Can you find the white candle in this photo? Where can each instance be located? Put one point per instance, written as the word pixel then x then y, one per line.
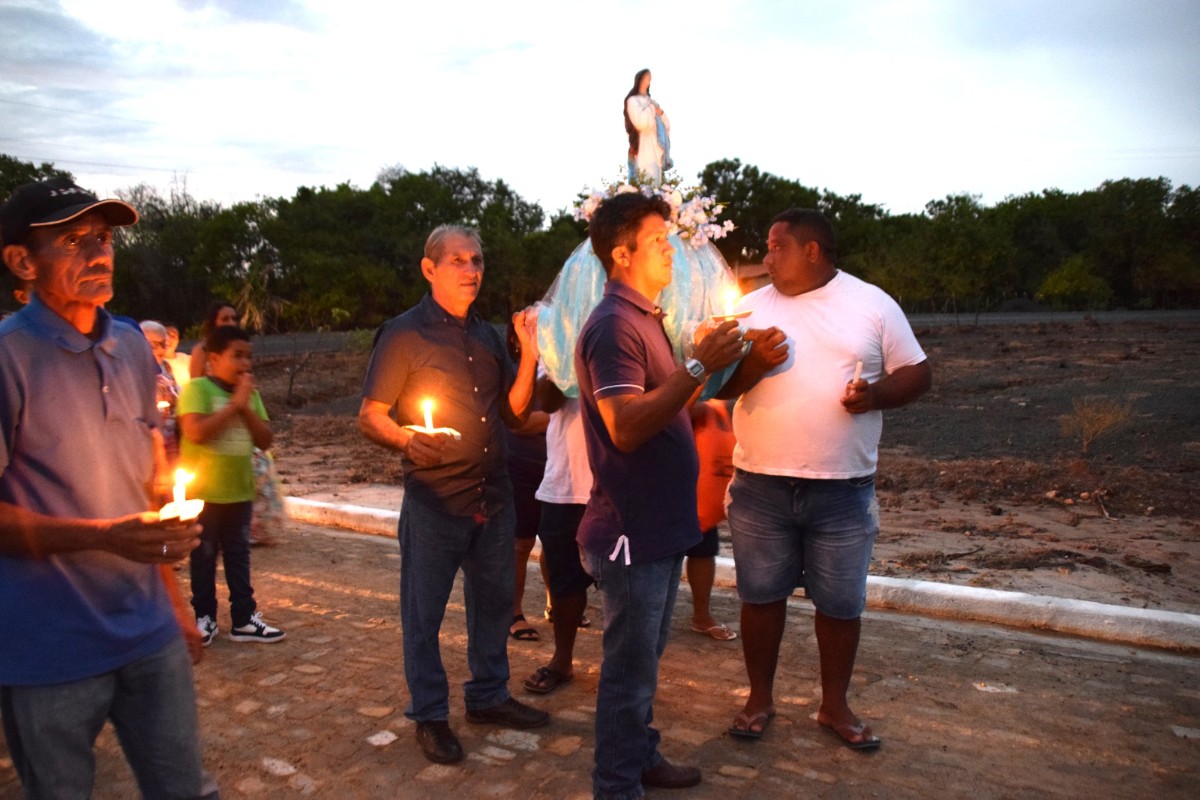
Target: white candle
pixel 427 407
pixel 731 298
pixel 186 510
pixel 857 372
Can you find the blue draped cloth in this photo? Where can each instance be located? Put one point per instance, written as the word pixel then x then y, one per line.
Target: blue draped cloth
pixel 700 279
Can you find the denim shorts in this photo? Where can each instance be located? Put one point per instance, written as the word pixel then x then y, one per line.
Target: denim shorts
pixel 791 533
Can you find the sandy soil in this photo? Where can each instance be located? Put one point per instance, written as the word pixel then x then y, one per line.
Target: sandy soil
pixel 984 482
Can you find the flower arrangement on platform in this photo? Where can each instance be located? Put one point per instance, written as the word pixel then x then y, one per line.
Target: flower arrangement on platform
pixel 693 214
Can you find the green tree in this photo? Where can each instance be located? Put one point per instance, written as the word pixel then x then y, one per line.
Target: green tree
pixel 158 274
pixel 1075 285
pixel 751 198
pixel 15 172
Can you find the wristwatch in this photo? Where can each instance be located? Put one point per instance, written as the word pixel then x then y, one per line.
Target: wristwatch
pixel 695 369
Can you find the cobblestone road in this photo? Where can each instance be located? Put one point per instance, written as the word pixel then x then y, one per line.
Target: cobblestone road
pixel 965 710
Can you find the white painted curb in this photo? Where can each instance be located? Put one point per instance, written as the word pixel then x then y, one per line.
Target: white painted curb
pixel 1170 630
pixel 375 521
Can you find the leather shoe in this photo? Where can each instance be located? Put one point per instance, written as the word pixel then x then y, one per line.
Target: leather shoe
pixel 665 775
pixel 438 742
pixel 511 714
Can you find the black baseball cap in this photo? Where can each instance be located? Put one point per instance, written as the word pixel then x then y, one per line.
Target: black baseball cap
pixel 53 202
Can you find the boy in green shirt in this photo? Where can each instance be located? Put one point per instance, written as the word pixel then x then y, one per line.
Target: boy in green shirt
pixel 221 421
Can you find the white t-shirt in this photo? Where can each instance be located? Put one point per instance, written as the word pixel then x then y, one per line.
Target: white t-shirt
pixel 568 476
pixel 792 422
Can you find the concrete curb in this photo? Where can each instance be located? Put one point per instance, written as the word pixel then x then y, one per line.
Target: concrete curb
pixel 1169 630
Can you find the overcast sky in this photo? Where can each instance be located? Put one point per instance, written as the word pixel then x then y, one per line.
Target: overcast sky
pixel 901 101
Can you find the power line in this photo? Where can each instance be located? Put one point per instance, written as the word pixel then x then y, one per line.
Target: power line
pixel 37 159
pixel 75 111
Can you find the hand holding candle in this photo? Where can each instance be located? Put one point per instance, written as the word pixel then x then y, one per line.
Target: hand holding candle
pixel 180 507
pixel 857 398
pixel 427 411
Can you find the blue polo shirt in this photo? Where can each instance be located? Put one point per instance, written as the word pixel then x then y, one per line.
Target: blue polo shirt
pixel 461 365
pixel 649 495
pixel 75 441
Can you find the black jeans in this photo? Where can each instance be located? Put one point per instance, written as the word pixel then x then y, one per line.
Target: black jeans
pixel 227 530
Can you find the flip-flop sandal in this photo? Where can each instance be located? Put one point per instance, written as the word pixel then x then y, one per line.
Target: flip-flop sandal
pixel 866 742
pixel 526 634
pixel 743 726
pixel 717 631
pixel 545 680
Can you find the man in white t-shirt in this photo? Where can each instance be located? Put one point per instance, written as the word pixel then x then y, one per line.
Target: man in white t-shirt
pixel 829 354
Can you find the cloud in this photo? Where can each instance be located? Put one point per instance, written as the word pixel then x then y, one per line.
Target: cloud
pixel 902 101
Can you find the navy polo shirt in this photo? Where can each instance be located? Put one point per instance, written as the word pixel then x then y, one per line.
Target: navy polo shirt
pixel 76 420
pixel 462 366
pixel 649 495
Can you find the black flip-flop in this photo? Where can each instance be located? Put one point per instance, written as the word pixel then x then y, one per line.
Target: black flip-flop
pixel 545 680
pixel 746 731
pixel 871 742
pixel 526 634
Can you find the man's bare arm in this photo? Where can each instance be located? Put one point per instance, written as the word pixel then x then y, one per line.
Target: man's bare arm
pixel 899 388
pixel 137 537
pixel 376 424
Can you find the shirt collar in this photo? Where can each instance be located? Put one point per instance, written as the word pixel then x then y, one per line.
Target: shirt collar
pixel 435 313
pixel 66 335
pixel 634 298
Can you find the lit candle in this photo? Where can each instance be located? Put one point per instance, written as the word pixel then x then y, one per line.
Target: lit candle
pixel 427 410
pixel 731 298
pixel 730 295
pixel 180 507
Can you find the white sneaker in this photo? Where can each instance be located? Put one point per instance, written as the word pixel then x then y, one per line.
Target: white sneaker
pixel 256 631
pixel 208 629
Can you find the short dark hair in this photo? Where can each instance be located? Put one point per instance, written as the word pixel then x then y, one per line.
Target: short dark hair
pixel 219 339
pixel 810 225
pixel 616 221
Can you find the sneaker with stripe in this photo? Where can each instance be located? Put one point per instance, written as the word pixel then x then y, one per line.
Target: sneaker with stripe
pixel 208 629
pixel 256 631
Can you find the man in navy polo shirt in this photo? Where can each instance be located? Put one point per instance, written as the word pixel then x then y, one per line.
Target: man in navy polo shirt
pixel 87 630
pixel 641 516
pixel 458 502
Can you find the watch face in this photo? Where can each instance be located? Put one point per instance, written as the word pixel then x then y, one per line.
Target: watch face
pixel 695 368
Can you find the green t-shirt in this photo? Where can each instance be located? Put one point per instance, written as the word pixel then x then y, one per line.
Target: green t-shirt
pixel 223 466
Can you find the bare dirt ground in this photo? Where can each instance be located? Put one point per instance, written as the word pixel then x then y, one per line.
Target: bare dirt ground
pixel 984 482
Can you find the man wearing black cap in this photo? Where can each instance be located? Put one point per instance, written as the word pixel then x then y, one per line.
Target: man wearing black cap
pixel 86 621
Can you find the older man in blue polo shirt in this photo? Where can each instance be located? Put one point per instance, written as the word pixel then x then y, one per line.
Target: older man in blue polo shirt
pixel 458 503
pixel 641 516
pixel 87 630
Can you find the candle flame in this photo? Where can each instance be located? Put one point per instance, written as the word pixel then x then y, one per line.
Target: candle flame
pixel 182 478
pixel 427 407
pixel 732 295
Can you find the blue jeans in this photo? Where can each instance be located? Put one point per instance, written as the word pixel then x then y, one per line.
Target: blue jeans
pixel 638 602
pixel 790 532
pixel 227 531
pixel 433 546
pixel 52 730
